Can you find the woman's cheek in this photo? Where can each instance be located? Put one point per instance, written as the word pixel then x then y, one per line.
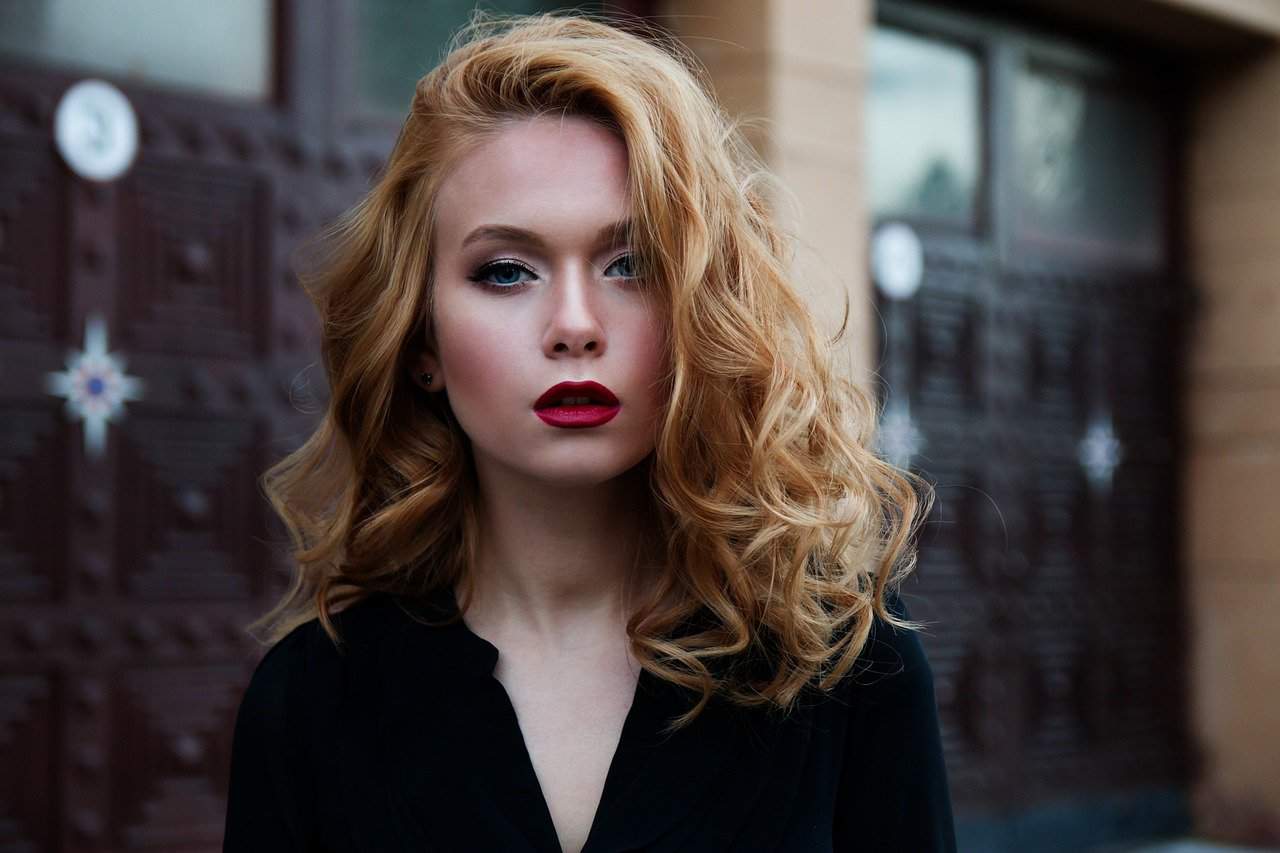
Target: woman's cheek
pixel 475 363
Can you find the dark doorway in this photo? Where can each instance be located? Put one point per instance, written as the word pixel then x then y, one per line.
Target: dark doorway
pixel 1033 311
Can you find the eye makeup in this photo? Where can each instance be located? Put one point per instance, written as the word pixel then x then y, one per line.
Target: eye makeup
pixel 505 266
pixel 480 276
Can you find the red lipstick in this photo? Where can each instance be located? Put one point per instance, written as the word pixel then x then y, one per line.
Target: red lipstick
pixel 575 405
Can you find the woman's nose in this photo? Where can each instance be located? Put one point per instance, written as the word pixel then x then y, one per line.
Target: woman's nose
pixel 575 324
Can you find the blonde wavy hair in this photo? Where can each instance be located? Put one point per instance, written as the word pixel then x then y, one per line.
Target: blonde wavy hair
pixel 787 528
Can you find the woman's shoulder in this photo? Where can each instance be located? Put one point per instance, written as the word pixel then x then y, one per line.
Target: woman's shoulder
pixel 307 656
pixel 285 722
pixel 893 791
pixel 893 661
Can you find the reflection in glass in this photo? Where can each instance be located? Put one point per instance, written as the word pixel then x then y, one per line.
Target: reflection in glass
pixel 222 48
pixel 398 41
pixel 1089 168
pixel 922 127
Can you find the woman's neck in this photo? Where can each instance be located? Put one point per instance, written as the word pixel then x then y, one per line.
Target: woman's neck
pixel 554 565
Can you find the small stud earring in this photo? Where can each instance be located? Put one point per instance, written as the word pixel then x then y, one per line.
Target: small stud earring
pixel 426 379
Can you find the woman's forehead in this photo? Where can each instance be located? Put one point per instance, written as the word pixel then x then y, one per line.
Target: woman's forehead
pixel 542 175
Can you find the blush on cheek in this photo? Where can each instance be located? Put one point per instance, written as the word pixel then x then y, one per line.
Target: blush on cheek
pixel 477 351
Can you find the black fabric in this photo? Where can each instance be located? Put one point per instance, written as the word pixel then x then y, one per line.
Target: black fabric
pixel 404 740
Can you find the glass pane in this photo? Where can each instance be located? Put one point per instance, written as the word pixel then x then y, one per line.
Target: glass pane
pixel 398 41
pixel 924 144
pixel 1089 167
pixel 222 48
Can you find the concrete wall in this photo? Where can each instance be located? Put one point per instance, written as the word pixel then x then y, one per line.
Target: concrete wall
pixel 1255 15
pixel 797 79
pixel 1232 538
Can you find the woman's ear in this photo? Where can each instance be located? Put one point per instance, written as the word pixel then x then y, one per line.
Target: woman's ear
pixel 427 365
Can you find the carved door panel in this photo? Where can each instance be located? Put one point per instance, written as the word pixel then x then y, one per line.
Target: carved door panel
pixel 158 354
pixel 135 540
pixel 1033 314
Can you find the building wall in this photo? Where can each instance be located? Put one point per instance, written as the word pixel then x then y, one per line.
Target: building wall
pixel 1232 535
pixel 1255 15
pixel 796 82
pixel 799 79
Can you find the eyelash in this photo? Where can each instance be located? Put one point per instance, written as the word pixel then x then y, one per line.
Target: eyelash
pixel 479 275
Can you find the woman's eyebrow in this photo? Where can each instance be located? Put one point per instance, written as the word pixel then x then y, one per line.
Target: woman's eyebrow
pixel 611 234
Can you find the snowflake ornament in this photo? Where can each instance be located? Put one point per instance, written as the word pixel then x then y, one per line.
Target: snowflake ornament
pixel 899 440
pixel 1099 453
pixel 94 385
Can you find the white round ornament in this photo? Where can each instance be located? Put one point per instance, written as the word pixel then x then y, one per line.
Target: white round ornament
pixel 96 130
pixel 897 260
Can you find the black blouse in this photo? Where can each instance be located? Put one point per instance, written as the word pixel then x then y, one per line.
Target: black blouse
pixel 406 741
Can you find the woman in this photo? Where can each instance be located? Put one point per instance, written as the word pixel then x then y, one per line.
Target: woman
pixel 592 554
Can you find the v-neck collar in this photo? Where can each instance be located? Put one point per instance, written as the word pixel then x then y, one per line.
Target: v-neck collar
pixel 452 751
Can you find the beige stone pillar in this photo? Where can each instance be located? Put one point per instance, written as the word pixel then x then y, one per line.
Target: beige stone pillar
pixel 1232 530
pixel 796 77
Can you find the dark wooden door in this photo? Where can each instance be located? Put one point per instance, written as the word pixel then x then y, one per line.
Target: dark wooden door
pixel 1031 373
pixel 130 567
pixel 133 555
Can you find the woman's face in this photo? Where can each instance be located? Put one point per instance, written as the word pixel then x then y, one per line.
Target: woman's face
pixel 534 288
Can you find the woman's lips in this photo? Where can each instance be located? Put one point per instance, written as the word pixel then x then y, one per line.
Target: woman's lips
pixel 575 392
pixel 578 417
pixel 574 405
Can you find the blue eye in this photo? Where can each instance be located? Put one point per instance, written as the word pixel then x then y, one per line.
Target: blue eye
pixel 495 275
pixel 629 263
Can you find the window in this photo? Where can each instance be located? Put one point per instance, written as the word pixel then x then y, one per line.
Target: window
pixel 923 125
pixel 222 48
